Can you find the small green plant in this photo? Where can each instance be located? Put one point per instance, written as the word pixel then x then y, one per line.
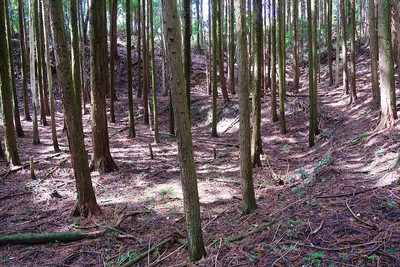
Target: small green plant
pixel 379 152
pixel 295 223
pixel 391 204
pixel 392 251
pixel 285 148
pixel 304 175
pixel 343 256
pixel 372 257
pixel 315 257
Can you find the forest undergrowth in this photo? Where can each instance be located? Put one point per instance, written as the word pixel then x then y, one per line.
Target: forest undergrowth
pixel 336 204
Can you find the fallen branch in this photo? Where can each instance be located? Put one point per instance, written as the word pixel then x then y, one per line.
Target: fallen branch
pixel 123 218
pixel 348 194
pixel 358 219
pixel 48 237
pixel 5 173
pixel 252 232
pixel 144 254
pixel 15 195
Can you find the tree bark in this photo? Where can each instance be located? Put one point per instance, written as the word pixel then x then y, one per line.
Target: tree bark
pixel 274 115
pixel 214 122
pixel 86 200
pixel 353 95
pixel 246 175
pixel 6 90
pixel 24 56
pixel 256 141
pixel 49 75
pixel 131 117
pixel 386 67
pixel 101 160
pixel 185 146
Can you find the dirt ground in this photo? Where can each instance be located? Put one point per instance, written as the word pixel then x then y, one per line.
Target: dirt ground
pixel 336 204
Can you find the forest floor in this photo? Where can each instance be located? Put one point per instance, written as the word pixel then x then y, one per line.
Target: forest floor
pixel 336 204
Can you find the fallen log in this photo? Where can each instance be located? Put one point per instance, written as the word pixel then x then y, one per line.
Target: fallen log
pixel 48 237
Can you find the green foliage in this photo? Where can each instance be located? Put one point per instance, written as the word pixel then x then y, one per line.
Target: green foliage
pixel 379 152
pixel 315 257
pixel 372 257
pixel 391 204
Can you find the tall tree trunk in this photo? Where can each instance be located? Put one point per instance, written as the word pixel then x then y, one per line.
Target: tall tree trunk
pixel 386 66
pixel 131 117
pixel 220 52
pixel 373 35
pixel 185 146
pixel 32 72
pixel 139 46
pixel 274 115
pixel 45 92
pixel 145 65
pixel 282 65
pixel 24 56
pixel 353 95
pixel 296 46
pixel 231 71
pixel 344 45
pixel 113 55
pixel 214 132
pixel 329 41
pixel 101 160
pixel 256 141
pixel 49 74
pixel 6 90
pixel 338 44
pixel 17 119
pixel 246 175
pixel 39 66
pixel 153 77
pixel 86 200
pixel 75 55
pixel 187 58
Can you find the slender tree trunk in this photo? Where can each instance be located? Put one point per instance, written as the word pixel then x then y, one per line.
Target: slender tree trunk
pixel 214 132
pixel 187 34
pixel 39 65
pixel 17 119
pixel 113 56
pixel 153 77
pixel 139 44
pixel 344 46
pixel 220 52
pixel 256 141
pixel 24 56
pixel 338 43
pixel 86 200
pixel 32 72
pixel 274 115
pixel 296 46
pixel 386 67
pixel 246 175
pixel 231 23
pixel 49 74
pixel 145 66
pixel 185 147
pixel 353 95
pixel 131 117
pixel 329 41
pixel 282 65
pixel 6 90
pixel 101 160
pixel 45 92
pixel 75 55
